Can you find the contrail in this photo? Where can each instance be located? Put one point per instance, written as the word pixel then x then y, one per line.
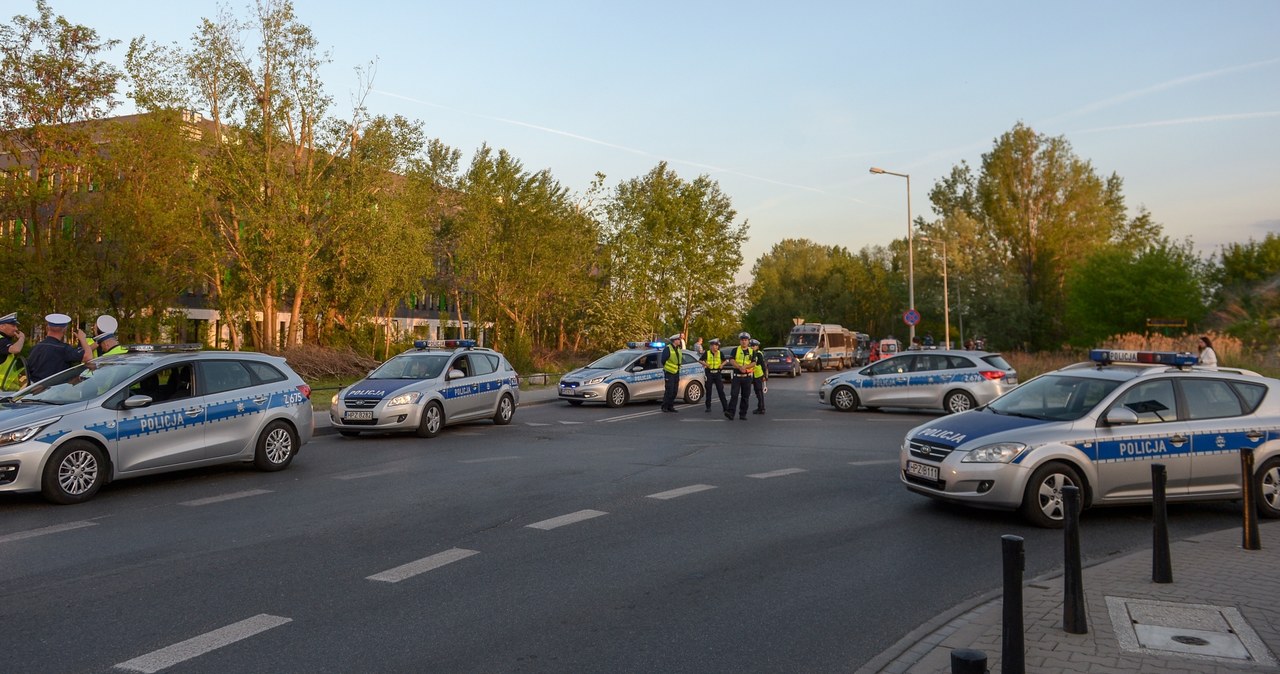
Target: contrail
pixel 1185 120
pixel 596 141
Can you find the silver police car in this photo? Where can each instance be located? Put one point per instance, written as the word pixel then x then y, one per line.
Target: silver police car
pixel 631 374
pixel 151 410
pixel 954 381
pixel 435 384
pixel 1099 426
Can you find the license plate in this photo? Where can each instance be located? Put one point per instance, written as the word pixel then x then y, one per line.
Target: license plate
pixel 1011 379
pixel 567 392
pixel 358 416
pixel 921 470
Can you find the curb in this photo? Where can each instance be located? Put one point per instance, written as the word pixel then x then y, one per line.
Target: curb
pixel 326 429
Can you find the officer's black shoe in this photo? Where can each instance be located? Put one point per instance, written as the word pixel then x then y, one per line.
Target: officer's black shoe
pixel 758 412
pixel 742 418
pixel 708 408
pixel 728 415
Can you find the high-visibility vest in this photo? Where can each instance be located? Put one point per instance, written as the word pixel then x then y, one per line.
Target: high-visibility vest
pixel 742 357
pixel 115 351
pixel 759 373
pixel 672 366
pixel 10 373
pixel 714 360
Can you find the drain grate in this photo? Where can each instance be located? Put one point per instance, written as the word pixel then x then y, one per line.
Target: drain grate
pixel 1196 630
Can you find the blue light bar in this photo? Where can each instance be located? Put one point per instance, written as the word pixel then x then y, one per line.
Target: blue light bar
pixel 1106 356
pixel 646 345
pixel 443 343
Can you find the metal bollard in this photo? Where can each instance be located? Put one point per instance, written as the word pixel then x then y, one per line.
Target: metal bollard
pixel 1161 564
pixel 1012 653
pixel 1250 541
pixel 968 661
pixel 1075 619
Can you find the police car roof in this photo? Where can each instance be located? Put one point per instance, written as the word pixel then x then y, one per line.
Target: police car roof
pixel 1127 371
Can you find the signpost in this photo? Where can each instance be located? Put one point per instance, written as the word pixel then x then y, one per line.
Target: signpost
pixel 911 317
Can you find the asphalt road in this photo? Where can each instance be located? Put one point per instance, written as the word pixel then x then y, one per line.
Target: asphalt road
pixel 686 543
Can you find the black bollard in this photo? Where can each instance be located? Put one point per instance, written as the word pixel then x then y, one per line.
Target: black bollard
pixel 1161 564
pixel 1250 541
pixel 968 661
pixel 1012 655
pixel 1074 617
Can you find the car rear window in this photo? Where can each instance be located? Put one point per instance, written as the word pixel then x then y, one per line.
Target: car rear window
pixel 223 375
pixel 265 372
pixel 1251 393
pixel 1210 399
pixel 959 362
pixel 997 361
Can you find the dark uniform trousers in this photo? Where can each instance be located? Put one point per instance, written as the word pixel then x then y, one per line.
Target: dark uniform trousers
pixel 715 383
pixel 740 397
pixel 757 383
pixel 671 386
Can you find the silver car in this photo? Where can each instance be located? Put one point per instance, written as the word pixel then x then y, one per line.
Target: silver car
pixel 631 374
pixel 433 385
pixel 954 381
pixel 1100 426
pixel 151 410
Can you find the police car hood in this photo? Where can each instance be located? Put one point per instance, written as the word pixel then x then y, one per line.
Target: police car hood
pixel 966 427
pixel 14 415
pixel 377 389
pixel 587 372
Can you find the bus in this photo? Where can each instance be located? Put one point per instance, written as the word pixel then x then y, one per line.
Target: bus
pixel 822 345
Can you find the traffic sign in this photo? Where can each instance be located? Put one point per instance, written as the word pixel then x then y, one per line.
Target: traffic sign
pixel 911 317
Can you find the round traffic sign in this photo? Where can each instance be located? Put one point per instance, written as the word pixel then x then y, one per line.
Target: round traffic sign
pixel 911 317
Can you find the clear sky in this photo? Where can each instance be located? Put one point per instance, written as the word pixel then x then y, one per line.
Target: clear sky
pixel 787 105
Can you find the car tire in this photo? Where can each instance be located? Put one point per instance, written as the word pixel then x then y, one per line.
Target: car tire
pixel 1042 503
pixel 74 473
pixel 1266 487
pixel 616 396
pixel 693 393
pixel 349 434
pixel 506 410
pixel 277 444
pixel 575 403
pixel 958 401
pixel 844 398
pixel 431 422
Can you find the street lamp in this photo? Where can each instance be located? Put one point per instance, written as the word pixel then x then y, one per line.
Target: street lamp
pixel 911 250
pixel 946 296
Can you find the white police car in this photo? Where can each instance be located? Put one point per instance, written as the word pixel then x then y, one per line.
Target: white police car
pixel 1100 426
pixel 630 374
pixel 955 381
pixel 435 384
pixel 151 410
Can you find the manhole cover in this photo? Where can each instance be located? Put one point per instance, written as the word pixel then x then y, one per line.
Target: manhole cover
pixel 1195 630
pixel 1190 640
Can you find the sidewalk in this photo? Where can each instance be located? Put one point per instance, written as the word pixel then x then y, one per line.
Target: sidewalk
pixel 1220 614
pixel 534 396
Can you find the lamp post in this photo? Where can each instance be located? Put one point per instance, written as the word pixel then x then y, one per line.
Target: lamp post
pixel 911 251
pixel 946 296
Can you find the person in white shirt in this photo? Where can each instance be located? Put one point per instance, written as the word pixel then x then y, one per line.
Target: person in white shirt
pixel 1208 357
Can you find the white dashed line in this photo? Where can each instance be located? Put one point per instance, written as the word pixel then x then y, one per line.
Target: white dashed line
pixel 876 462
pixel 777 473
pixel 226 497
pixel 571 518
pixel 570 423
pixel 205 643
pixel 794 420
pixel 57 528
pixel 368 473
pixel 534 423
pixel 492 458
pixel 423 565
pixel 682 491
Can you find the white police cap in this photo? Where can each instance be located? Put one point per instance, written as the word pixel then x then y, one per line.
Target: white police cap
pixel 9 318
pixel 675 337
pixel 58 320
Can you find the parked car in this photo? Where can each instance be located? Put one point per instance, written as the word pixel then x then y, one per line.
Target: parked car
pixel 955 381
pixel 780 360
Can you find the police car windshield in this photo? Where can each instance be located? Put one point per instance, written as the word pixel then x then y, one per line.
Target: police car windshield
pixel 80 383
pixel 412 366
pixel 803 340
pixel 1054 397
pixel 613 361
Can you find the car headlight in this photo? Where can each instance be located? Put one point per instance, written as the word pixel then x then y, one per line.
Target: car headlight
pixel 405 399
pixel 595 380
pixel 334 400
pixel 1000 452
pixel 24 433
pixel 829 380
pixel 809 356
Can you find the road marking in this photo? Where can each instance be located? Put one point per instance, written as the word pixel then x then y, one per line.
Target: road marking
pixel 699 421
pixel 648 413
pixel 532 423
pixel 794 420
pixel 682 491
pixel 492 458
pixel 367 473
pixel 205 643
pixel 571 518
pixel 570 423
pixel 423 565
pixel 875 462
pixel 777 473
pixel 42 531
pixel 225 497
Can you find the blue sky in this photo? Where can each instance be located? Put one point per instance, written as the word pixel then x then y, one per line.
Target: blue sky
pixel 788 105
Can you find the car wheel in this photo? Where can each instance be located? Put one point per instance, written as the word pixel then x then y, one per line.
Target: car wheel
pixel 276 447
pixel 1267 487
pixel 506 410
pixel 693 392
pixel 349 434
pixel 959 401
pixel 617 396
pixel 575 403
pixel 432 421
pixel 74 474
pixel 844 399
pixel 1043 504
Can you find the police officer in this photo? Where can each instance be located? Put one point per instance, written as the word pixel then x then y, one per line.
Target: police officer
pixel 759 375
pixel 672 355
pixel 52 355
pixel 712 360
pixel 11 342
pixel 108 345
pixel 743 371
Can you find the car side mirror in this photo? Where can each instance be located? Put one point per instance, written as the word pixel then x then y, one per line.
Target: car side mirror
pixel 635 368
pixel 134 402
pixel 455 374
pixel 1121 416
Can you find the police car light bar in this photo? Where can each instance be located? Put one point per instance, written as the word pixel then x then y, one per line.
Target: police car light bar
pixel 1108 356
pixel 165 348
pixel 646 345
pixel 443 343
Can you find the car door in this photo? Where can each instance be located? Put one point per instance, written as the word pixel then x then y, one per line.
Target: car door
pixel 1217 417
pixel 1124 453
pixel 886 381
pixel 234 403
pixel 647 383
pixel 168 432
pixel 484 370
pixel 927 381
pixel 460 393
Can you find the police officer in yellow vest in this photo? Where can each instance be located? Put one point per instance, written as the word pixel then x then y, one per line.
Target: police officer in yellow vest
pixel 11 342
pixel 759 375
pixel 108 345
pixel 712 360
pixel 672 355
pixel 743 371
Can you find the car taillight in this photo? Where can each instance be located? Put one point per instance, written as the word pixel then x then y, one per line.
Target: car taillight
pixel 993 374
pixel 305 391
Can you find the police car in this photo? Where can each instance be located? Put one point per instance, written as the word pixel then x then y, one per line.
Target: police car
pixel 954 381
pixel 1100 426
pixel 630 374
pixel 150 410
pixel 435 384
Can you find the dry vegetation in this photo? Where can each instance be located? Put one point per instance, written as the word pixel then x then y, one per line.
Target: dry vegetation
pixel 316 364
